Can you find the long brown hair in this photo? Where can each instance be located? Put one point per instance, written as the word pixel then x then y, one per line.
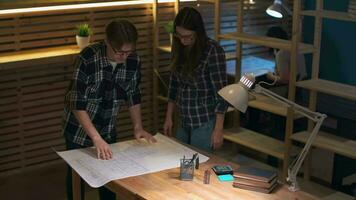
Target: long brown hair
pixel 186 59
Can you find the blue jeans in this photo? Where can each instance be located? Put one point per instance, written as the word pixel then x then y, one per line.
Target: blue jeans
pixel 199 137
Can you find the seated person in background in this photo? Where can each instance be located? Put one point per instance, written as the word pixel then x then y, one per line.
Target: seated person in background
pixel 282 58
pixel 270 124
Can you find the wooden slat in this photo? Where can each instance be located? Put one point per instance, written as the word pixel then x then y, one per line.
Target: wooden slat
pixel 44 151
pixel 9 152
pixel 165 48
pixel 329 87
pixel 267 104
pixel 330 142
pixel 44 130
pixel 41 124
pixel 256 141
pixel 342 16
pixel 266 41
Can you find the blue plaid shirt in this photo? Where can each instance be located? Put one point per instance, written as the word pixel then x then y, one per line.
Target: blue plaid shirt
pixel 197 99
pixel 100 91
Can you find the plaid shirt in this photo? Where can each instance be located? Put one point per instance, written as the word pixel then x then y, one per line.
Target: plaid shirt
pixel 100 91
pixel 198 100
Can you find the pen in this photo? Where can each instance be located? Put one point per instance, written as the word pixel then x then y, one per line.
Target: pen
pixel 197 163
pixel 195 157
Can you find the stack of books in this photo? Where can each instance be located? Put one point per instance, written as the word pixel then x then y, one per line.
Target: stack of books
pixel 352 8
pixel 255 179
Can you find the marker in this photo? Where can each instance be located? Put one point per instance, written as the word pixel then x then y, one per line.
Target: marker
pixel 207 176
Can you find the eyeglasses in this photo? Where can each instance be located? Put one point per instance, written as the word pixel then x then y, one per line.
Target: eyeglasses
pixel 184 37
pixel 120 52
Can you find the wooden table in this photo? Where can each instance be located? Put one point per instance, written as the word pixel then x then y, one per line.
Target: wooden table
pixel 166 185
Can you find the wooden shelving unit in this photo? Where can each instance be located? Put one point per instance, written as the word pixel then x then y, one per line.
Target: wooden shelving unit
pixel 251 139
pixel 270 146
pixel 157 48
pixel 324 140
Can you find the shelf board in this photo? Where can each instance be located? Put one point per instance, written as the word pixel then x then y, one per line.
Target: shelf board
pixel 330 142
pixel 343 16
pixel 166 48
pixel 267 41
pixel 329 87
pixel 256 141
pixel 207 1
pixel 162 98
pixel 230 56
pixel 35 54
pixel 165 99
pixel 265 103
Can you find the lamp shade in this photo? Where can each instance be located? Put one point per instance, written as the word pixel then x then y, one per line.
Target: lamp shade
pixel 236 95
pixel 275 10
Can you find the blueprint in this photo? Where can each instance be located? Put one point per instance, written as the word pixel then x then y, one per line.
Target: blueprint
pixel 130 158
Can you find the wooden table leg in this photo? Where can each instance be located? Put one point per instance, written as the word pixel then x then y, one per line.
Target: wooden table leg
pixel 76 186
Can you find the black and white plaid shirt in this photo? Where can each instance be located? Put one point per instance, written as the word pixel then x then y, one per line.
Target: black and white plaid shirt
pixel 198 100
pixel 100 91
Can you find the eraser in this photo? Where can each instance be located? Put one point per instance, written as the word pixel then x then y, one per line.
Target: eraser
pixel 226 178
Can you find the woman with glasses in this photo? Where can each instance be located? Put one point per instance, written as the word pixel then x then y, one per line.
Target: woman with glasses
pixel 198 73
pixel 106 76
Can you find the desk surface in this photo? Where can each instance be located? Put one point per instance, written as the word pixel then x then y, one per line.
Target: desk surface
pixel 166 185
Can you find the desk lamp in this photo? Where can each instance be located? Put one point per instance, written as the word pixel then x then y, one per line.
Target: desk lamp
pixel 237 96
pixel 277 9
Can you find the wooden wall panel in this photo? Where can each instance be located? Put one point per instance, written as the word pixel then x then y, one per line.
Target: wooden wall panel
pixel 32 93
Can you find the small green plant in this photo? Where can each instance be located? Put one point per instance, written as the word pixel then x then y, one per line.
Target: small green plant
pixel 169 27
pixel 83 30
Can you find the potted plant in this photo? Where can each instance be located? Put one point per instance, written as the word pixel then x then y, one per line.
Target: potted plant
pixel 169 27
pixel 83 35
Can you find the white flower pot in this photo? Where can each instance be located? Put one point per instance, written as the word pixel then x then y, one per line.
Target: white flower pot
pixel 82 42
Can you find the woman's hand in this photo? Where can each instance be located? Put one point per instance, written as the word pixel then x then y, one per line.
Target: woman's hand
pixel 217 139
pixel 167 127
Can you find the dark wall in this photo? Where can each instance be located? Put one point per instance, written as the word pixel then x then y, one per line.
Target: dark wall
pixel 337 63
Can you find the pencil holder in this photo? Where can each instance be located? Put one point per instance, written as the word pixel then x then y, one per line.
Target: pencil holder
pixel 186 169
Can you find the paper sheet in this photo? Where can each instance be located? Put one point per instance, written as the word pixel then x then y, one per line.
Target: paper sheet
pixel 131 158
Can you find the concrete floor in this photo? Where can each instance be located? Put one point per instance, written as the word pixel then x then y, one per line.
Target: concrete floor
pixel 49 182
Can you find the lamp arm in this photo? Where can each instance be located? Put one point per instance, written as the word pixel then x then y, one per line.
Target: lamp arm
pixel 297 108
pixel 297 163
pixel 316 117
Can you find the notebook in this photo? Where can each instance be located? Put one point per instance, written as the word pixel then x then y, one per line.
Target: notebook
pixel 256 189
pixel 255 183
pixel 256 174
